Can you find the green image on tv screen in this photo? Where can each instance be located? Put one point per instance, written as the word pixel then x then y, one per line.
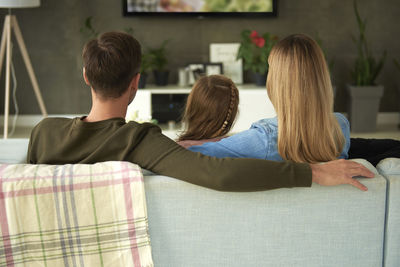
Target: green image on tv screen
pixel 199 6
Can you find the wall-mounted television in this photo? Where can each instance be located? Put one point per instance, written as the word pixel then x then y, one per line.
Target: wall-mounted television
pixel 201 8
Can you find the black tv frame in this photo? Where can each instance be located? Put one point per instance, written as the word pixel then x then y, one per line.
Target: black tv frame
pixel 274 13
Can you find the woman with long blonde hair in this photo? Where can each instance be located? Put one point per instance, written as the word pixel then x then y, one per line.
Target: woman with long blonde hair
pixel 300 90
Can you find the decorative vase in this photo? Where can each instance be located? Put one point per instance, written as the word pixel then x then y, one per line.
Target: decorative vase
pixel 142 80
pixel 363 107
pixel 161 77
pixel 259 79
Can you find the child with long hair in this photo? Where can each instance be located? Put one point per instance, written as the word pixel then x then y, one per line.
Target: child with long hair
pixel 210 110
pixel 305 129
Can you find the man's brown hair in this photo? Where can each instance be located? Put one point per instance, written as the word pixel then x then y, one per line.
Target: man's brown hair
pixel 211 108
pixel 111 61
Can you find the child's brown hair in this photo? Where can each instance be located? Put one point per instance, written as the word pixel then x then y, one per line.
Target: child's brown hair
pixel 211 108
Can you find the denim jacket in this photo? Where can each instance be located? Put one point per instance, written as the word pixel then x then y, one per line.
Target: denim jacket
pixel 260 141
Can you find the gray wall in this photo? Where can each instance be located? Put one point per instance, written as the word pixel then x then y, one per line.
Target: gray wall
pixel 53 38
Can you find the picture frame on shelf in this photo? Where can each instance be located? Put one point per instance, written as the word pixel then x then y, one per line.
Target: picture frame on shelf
pixel 213 68
pixel 195 72
pixel 227 54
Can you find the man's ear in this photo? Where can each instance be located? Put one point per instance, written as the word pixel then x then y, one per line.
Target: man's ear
pixel 135 81
pixel 133 87
pixel 85 77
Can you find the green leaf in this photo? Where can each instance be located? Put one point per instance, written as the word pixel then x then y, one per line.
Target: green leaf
pixel 88 22
pixel 396 63
pixel 246 35
pixel 88 28
pixel 129 30
pixel 366 68
pixel 378 67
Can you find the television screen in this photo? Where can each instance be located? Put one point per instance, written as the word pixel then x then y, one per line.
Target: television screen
pixel 200 7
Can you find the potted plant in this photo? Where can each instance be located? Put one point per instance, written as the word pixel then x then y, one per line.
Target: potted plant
pixel 158 63
pixel 145 68
pixel 254 50
pixel 364 94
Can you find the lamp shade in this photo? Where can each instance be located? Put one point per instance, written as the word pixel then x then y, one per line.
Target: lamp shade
pixel 19 3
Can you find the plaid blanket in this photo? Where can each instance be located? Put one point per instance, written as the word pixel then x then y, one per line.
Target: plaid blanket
pixel 73 215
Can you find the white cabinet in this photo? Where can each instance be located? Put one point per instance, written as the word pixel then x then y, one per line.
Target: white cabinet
pixel 254 104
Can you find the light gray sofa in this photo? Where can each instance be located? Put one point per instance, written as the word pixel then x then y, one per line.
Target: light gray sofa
pixel 318 226
pixel 390 169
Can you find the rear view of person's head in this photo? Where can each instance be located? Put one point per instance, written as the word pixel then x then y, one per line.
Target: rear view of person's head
pixel 211 108
pixel 299 87
pixel 110 62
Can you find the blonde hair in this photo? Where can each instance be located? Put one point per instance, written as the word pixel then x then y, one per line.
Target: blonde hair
pixel 299 87
pixel 211 108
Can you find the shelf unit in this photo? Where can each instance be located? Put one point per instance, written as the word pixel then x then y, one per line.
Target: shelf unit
pixel 254 105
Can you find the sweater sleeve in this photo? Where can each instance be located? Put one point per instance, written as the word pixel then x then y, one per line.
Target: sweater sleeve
pixel 345 126
pixel 161 155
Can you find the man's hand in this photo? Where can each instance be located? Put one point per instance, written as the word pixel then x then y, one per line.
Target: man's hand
pixel 340 172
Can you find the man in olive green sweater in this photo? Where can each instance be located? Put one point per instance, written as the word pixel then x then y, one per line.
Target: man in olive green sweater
pixel 111 69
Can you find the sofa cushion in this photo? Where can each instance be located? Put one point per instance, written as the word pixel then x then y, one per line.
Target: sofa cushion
pixel 90 215
pixel 389 166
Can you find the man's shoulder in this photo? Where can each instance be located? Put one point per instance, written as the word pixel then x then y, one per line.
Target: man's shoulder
pixel 56 120
pixel 53 122
pixel 143 126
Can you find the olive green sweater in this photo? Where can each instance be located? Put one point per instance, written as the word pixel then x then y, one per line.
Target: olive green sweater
pixel 62 141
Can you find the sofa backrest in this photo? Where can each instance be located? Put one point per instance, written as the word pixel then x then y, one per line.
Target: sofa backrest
pixel 318 226
pixel 390 169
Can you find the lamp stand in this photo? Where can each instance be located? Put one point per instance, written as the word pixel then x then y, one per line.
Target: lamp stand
pixel 10 22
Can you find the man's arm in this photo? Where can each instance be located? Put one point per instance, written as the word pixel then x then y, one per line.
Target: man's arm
pixel 159 154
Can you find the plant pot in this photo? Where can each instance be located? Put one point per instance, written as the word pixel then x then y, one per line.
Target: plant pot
pixel 161 77
pixel 142 80
pixel 259 79
pixel 363 107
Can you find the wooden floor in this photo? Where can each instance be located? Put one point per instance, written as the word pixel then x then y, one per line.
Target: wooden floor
pixel 384 131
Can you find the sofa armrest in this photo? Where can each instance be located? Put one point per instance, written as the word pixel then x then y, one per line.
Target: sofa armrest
pixel 13 150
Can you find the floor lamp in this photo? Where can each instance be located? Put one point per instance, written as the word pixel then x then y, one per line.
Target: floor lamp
pixel 10 23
